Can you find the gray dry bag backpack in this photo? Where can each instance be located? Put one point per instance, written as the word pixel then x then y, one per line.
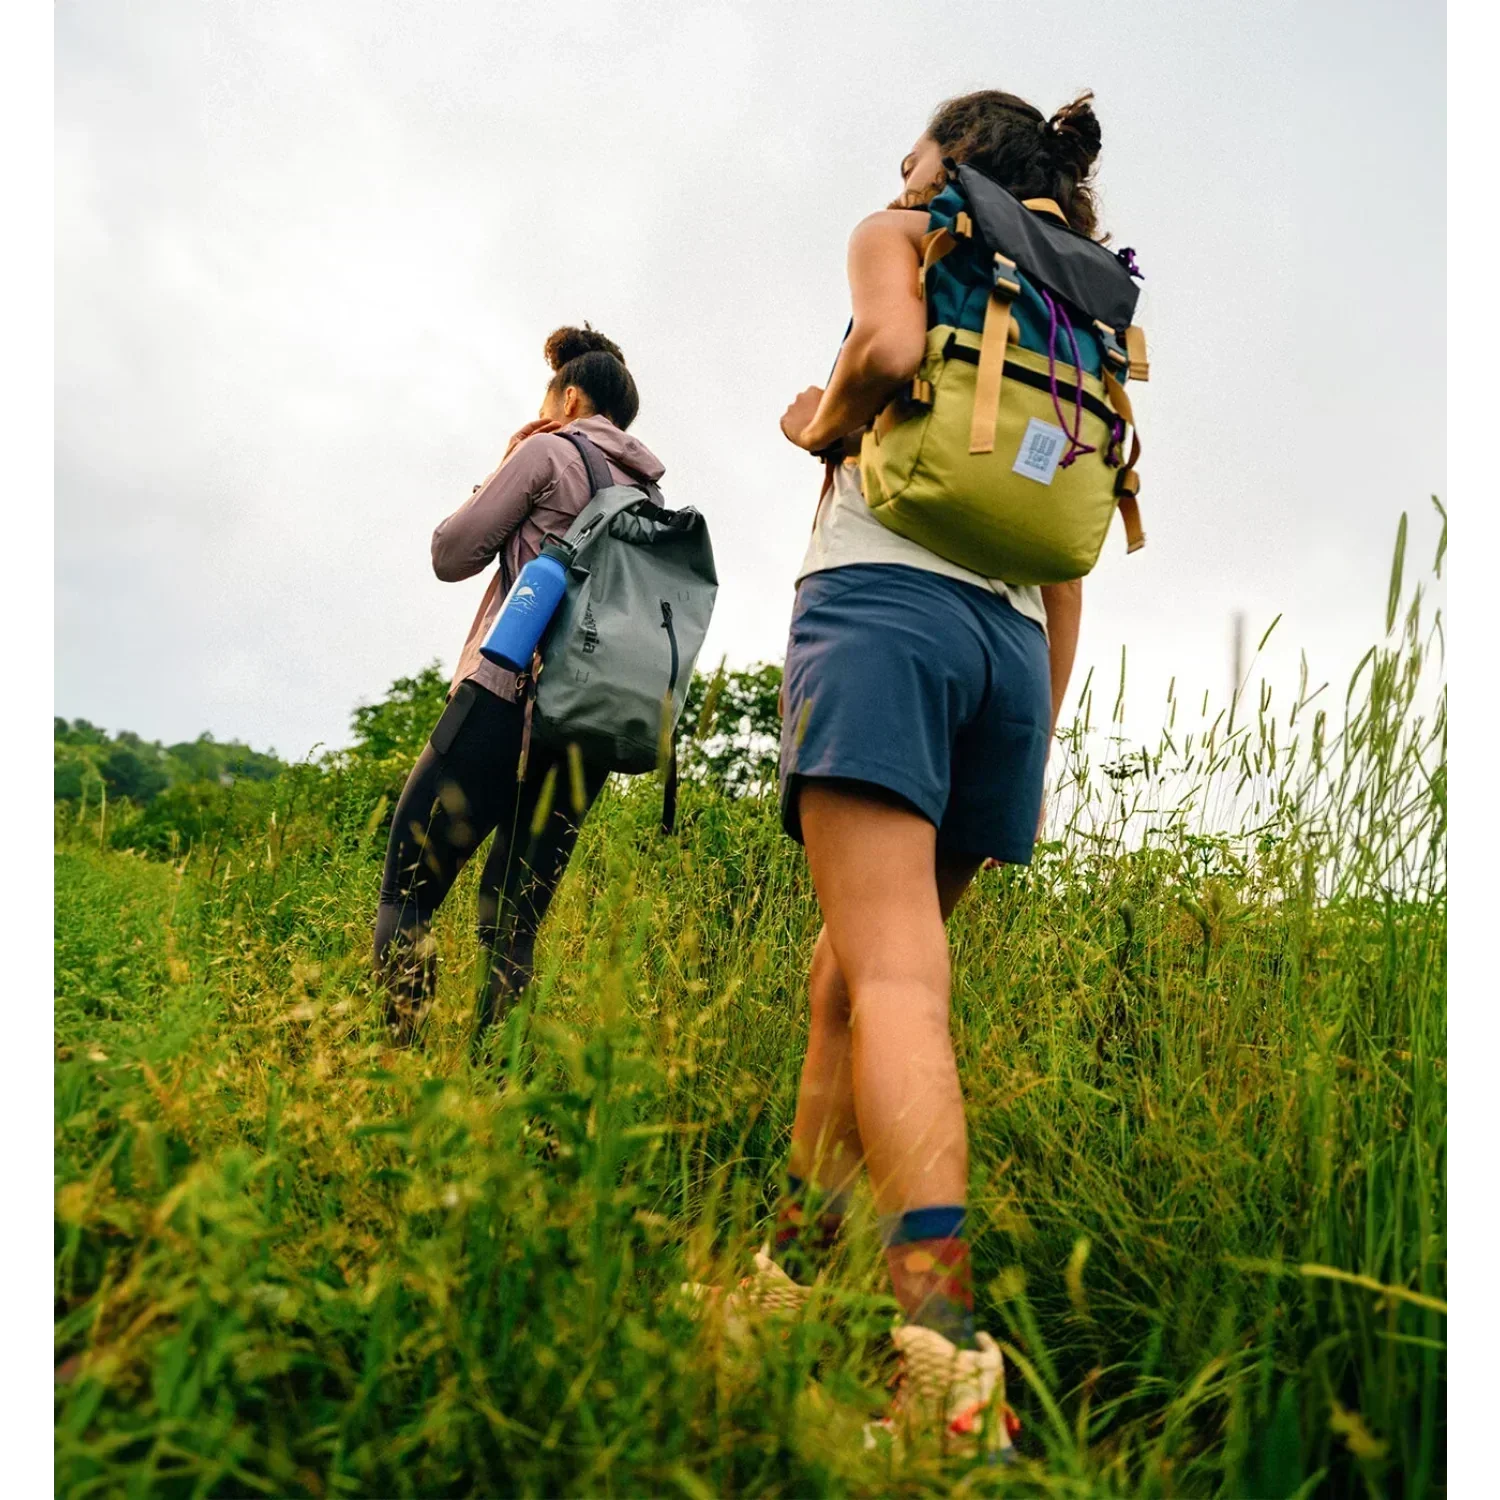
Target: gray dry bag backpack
pixel 612 673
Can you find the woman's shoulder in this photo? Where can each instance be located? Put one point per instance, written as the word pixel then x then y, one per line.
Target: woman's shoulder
pixel 534 464
pixel 551 445
pixel 545 453
pixel 888 223
pixel 911 222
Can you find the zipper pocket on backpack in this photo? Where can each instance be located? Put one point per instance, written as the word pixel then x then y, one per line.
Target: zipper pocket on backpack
pixel 1034 378
pixel 666 624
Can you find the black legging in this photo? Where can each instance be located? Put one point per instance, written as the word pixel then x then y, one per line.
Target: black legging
pixel 452 800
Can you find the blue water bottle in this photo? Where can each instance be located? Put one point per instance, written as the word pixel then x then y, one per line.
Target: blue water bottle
pixel 529 607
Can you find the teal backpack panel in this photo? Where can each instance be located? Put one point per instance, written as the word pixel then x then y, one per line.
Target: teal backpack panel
pixel 958 290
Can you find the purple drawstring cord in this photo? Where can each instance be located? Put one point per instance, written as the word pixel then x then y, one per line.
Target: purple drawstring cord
pixel 1076 446
pixel 1079 447
pixel 1126 257
pixel 1052 357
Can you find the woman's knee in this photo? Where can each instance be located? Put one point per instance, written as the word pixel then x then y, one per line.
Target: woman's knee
pixel 830 994
pixel 905 965
pixel 913 1007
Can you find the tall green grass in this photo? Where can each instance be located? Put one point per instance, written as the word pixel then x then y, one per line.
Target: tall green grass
pixel 1203 1045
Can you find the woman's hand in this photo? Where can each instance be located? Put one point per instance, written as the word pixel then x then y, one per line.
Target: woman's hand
pixel 541 424
pixel 797 418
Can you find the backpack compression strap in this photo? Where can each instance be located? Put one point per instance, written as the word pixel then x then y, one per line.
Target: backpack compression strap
pixel 1127 481
pixel 999 329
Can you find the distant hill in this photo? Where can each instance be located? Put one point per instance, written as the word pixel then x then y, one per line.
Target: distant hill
pixel 86 758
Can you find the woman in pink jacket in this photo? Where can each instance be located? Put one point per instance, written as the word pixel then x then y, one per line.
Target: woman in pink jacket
pixel 464 785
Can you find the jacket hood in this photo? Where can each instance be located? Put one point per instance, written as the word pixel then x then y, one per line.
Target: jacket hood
pixel 620 447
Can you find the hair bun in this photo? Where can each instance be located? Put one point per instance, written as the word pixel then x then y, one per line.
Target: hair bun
pixel 1075 136
pixel 564 344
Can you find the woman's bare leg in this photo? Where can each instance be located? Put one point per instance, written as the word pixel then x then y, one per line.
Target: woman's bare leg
pixel 826 1147
pixel 874 865
pixel 884 900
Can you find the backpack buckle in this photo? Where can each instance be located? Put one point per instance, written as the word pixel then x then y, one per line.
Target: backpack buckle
pixel 1109 341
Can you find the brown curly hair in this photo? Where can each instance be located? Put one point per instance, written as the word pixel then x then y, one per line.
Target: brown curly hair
pixel 1026 152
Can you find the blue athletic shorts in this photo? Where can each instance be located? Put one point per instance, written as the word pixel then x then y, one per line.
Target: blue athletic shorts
pixel 932 689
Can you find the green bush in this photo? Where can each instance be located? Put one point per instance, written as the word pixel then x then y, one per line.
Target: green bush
pixel 199 813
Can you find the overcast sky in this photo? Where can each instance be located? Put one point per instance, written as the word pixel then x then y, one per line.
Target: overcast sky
pixel 307 255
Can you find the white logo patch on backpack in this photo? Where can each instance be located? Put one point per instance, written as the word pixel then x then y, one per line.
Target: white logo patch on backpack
pixel 1041 447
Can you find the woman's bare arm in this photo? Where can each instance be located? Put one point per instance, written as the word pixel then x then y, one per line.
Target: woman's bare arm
pixel 889 337
pixel 1064 605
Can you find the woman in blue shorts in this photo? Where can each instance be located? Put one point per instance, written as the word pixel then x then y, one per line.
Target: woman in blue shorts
pixel 919 706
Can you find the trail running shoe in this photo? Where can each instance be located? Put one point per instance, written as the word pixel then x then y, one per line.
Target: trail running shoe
pixel 959 1393
pixel 767 1290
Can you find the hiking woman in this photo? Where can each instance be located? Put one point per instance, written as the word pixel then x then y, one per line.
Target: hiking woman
pixel 920 702
pixel 465 782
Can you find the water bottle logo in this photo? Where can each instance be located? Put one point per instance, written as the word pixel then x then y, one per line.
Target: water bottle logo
pixel 525 592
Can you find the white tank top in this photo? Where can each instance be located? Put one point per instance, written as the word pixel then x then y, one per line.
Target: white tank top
pixel 845 533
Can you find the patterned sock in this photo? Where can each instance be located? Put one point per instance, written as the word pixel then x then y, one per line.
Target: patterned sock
pixel 928 1259
pixel 807 1225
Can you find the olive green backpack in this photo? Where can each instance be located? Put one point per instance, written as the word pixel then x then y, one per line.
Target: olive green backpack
pixel 1007 453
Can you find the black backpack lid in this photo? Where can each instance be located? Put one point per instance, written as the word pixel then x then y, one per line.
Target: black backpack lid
pixel 1068 264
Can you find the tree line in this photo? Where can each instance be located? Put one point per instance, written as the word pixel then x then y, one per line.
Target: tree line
pixel 167 796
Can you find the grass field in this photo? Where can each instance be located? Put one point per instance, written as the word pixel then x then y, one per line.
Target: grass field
pixel 1203 1044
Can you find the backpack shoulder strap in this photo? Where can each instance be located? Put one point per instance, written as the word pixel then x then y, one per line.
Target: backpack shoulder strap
pixel 593 460
pixel 669 792
pixel 602 507
pixel 936 243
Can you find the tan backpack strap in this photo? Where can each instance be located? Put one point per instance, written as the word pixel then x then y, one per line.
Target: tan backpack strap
pixel 1135 347
pixel 999 328
pixel 936 243
pixel 899 407
pixel 1044 206
pixel 1117 397
pixel 1127 481
pixel 1130 514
